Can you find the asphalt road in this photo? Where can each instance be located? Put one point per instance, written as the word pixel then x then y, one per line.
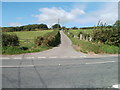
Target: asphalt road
pixel 60 73
pixel 60 67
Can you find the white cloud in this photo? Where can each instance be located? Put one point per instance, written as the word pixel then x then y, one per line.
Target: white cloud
pixel 51 15
pixel 14 24
pixel 107 14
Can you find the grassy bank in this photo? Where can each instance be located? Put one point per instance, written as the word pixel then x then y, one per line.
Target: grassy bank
pixel 18 50
pixel 27 42
pixel 90 47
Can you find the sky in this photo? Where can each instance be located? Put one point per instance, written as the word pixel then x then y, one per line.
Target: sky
pixel 70 14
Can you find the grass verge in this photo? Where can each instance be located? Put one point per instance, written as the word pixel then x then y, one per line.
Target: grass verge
pixel 19 50
pixel 90 47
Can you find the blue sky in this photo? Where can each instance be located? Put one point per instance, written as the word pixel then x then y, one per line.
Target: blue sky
pixel 79 14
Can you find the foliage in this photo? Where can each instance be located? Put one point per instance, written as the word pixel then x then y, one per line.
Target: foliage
pixel 26 42
pixel 87 28
pixel 32 27
pixel 117 23
pixel 105 38
pixel 106 35
pixel 74 28
pixel 63 28
pixel 56 26
pixel 10 40
pixel 50 39
pixel 89 47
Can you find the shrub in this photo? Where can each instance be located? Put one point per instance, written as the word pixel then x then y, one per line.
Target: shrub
pixel 24 48
pixel 39 41
pixel 54 40
pixel 87 47
pixel 107 35
pixel 71 34
pixel 50 39
pixel 10 40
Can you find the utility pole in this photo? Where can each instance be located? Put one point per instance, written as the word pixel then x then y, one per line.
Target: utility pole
pixel 58 20
pixel 58 23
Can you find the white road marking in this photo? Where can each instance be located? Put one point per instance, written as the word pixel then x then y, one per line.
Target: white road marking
pixel 30 57
pixel 41 57
pixel 17 58
pixel 52 57
pixel 100 62
pixel 5 58
pixel 116 86
pixel 82 56
pixel 16 66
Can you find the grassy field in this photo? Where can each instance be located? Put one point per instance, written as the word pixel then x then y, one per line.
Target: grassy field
pixel 90 47
pixel 26 39
pixel 29 34
pixel 76 32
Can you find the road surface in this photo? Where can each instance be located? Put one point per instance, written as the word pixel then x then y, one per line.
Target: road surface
pixel 60 67
pixel 60 73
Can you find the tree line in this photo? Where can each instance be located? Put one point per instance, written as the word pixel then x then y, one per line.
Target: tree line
pixel 32 27
pixel 36 27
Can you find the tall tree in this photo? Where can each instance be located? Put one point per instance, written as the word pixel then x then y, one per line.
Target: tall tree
pixel 56 26
pixel 74 27
pixel 43 26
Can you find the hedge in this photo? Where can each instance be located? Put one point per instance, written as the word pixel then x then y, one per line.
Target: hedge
pixel 10 40
pixel 50 39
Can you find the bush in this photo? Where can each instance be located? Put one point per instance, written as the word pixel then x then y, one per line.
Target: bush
pixel 71 34
pixel 24 48
pixel 10 40
pixel 54 40
pixel 50 39
pixel 107 35
pixel 39 41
